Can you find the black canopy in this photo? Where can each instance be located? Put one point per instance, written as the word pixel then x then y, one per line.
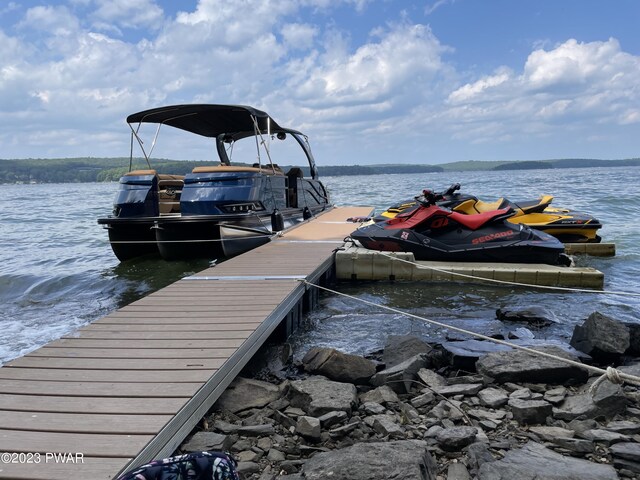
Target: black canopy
pixel 210 120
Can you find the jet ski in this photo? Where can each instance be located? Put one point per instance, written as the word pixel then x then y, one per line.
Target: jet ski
pixel 566 225
pixel 433 232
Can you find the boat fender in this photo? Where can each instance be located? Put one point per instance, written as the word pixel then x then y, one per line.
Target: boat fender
pixel 306 213
pixel 277 221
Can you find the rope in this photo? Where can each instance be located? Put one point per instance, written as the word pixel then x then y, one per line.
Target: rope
pixel 617 377
pixel 505 282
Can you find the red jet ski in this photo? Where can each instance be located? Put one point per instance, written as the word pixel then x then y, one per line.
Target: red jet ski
pixel 433 232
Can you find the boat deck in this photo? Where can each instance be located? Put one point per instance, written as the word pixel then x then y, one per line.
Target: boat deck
pixel 130 387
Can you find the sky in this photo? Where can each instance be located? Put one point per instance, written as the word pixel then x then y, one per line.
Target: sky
pixel 369 81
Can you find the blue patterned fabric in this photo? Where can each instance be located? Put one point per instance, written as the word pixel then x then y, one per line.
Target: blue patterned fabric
pixel 192 466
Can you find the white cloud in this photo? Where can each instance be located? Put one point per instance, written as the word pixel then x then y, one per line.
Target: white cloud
pixel 128 14
pixel 298 36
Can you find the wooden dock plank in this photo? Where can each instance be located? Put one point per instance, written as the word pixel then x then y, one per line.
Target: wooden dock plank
pixel 92 405
pixel 97 389
pixel 78 422
pixel 94 468
pixel 93 445
pixel 117 364
pixel 185 353
pixel 237 332
pixel 114 376
pixel 105 341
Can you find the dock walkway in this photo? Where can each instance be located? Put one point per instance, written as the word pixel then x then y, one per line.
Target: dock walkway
pixel 130 387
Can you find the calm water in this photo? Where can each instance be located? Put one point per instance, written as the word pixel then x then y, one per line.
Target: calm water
pixel 57 271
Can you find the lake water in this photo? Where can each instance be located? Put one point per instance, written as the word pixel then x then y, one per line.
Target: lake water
pixel 57 271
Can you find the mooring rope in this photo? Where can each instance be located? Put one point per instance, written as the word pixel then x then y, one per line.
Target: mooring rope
pixel 611 374
pixel 506 282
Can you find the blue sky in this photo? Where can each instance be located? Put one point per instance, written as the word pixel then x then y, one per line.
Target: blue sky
pixel 370 81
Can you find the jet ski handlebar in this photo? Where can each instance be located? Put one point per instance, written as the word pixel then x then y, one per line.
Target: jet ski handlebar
pixel 428 198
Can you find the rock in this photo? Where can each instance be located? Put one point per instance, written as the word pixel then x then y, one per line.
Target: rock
pixel 601 337
pixel 548 434
pixel 555 395
pixel 317 395
pixel 203 441
pixel 530 411
pixel 575 445
pixel 283 419
pixel 626 450
pixel 465 379
pixel 604 436
pixel 478 454
pixel 309 428
pixel 609 398
pixel 634 339
pixel 458 389
pixel 246 393
pixel 493 397
pixel 401 459
pixel 422 400
pixel 274 455
pixel 382 395
pixel 457 471
pixel 446 409
pixel 400 377
pixel 248 456
pixel 521 366
pixel 576 406
pixel 385 425
pixel 456 438
pixel 534 316
pixel 373 408
pixel 338 366
pixel 624 426
pixel 330 419
pixel 247 468
pixel 627 465
pixel 256 430
pixel 535 462
pixel 400 348
pixel 431 378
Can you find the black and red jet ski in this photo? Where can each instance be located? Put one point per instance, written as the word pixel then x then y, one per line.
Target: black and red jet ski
pixel 433 232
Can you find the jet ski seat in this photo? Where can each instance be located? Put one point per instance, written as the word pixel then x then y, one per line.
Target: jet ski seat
pixel 474 222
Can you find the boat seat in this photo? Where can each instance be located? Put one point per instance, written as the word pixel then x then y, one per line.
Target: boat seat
pixel 231 168
pixel 476 221
pixel 140 172
pixel 169 191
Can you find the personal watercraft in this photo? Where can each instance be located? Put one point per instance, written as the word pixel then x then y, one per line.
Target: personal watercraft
pixel 433 232
pixel 566 225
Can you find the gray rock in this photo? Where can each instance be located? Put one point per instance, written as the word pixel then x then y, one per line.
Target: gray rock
pixel 246 393
pixel 382 395
pixel 609 398
pixel 431 378
pixel 373 408
pixel 317 396
pixel 575 445
pixel 274 455
pixel 624 426
pixel 456 438
pixel 422 400
pixel 203 441
pixel 535 462
pixel 457 471
pixel 548 434
pixel 576 406
pixel 284 420
pixel 626 450
pixel 338 366
pixel 400 377
pixel 385 425
pixel 534 316
pixel 493 397
pixel 309 428
pixel 458 389
pixel 555 395
pixel 521 366
pixel 400 348
pixel 478 454
pixel 247 468
pixel 601 336
pixel 604 436
pixel 256 430
pixel 401 459
pixel 530 411
pixel 634 339
pixel 330 419
pixel 248 456
pixel 627 465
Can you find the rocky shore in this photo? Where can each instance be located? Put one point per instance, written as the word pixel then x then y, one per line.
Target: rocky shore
pixel 410 412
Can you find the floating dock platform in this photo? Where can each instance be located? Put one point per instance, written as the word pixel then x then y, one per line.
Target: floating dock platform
pixel 593 249
pixel 129 387
pixel 357 263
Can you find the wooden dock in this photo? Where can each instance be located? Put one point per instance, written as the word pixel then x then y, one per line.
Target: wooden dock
pixel 131 386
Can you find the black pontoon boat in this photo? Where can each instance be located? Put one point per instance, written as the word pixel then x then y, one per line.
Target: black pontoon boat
pixel 218 210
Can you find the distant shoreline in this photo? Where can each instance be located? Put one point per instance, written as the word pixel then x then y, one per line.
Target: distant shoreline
pixel 76 170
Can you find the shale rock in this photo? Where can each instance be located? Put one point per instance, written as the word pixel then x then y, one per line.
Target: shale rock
pixel 535 462
pixel 246 393
pixel 317 395
pixel 338 366
pixel 456 438
pixel 400 348
pixel 627 450
pixel 400 377
pixel 203 441
pixel 405 459
pixel 521 366
pixel 382 395
pixel 534 316
pixel 493 397
pixel 601 337
pixel 530 411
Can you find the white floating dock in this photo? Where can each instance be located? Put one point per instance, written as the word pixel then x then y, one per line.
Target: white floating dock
pixel 357 263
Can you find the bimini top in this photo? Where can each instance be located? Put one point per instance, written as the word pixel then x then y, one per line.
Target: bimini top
pixel 211 120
